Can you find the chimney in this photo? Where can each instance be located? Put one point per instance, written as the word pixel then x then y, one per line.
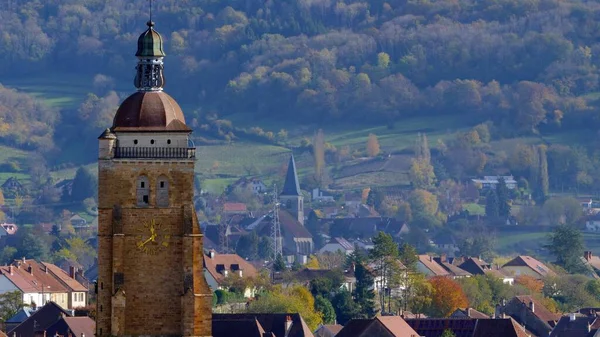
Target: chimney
pixel 443 258
pixel 240 273
pixel 288 325
pixel 24 259
pixel 71 272
pixel 211 254
pixel 45 268
pixel 430 258
pixel 30 269
pixel 532 306
pixel 572 317
pixel 587 255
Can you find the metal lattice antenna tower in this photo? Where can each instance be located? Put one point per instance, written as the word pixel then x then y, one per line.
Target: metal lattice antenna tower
pixel 276 227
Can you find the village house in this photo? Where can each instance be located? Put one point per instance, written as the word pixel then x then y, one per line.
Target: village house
pixel 429 267
pixel 8 229
pixel 321 196
pixel 527 265
pixel 381 326
pixel 530 313
pixel 255 185
pixel 218 267
pixel 592 223
pixel 467 327
pixel 477 266
pixel 592 261
pixel 78 222
pixel 328 330
pixel 468 313
pixel 38 285
pixel 453 270
pixel 77 291
pixel 260 325
pixel 338 245
pixel 12 184
pixel 490 182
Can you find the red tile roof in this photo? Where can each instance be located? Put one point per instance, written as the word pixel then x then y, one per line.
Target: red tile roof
pixel 539 309
pixel 31 276
pixel 430 264
pixel 227 260
pixel 397 326
pixel 64 277
pixel 528 261
pixel 234 207
pixel 81 326
pixel 9 228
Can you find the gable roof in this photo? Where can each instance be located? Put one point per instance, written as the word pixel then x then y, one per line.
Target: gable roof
pixel 72 326
pixel 433 266
pixel 291 186
pixel 434 327
pixel 468 312
pixel 450 268
pixel 328 330
pixel 342 242
pixel 249 327
pixel 506 327
pixel 30 276
pixel 397 326
pixel 528 261
pixel 474 265
pixel 580 327
pixel 234 207
pixel 291 226
pixel 64 277
pixel 39 320
pixel 227 261
pixel 540 311
pixel 271 323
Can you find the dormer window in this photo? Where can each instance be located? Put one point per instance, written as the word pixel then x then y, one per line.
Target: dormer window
pixel 143 191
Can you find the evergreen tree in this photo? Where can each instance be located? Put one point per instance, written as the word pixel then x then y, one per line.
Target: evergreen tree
pixel 385 258
pixel 345 307
pixel 503 198
pixel 408 256
pixel 542 188
pixel 492 207
pixel 363 293
pixel 85 185
pixel 279 264
pixel 566 244
pixel 325 307
pixel 448 333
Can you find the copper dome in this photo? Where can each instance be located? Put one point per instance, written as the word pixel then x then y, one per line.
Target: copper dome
pixel 150 111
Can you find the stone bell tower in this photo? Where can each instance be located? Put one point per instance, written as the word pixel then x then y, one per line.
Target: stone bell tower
pixel 150 268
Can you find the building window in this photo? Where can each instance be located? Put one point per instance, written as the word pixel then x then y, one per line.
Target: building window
pixel 143 191
pixel 152 141
pixel 135 141
pixel 162 193
pixel 169 141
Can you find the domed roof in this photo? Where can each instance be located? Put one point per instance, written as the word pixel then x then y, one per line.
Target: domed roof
pixel 150 43
pixel 150 111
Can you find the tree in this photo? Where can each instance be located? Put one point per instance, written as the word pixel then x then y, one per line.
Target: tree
pixel 264 247
pixel 447 297
pixel 531 283
pixel 566 244
pixel 375 198
pixel 345 307
pixel 279 264
pixel 385 258
pixel 7 255
pixel 295 299
pixel 325 307
pixel 448 333
pixel 34 247
pixel 363 293
pixel 85 185
pixel 10 303
pixel 421 173
pixel 319 155
pixel 492 205
pixel 502 193
pixel 247 246
pixel 541 191
pixel 313 263
pixel 373 148
pixel 423 204
pixel 408 256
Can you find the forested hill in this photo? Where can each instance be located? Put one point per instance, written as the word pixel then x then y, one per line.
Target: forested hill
pixel 523 64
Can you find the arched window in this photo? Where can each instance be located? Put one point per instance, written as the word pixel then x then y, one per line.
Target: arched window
pixel 143 191
pixel 162 192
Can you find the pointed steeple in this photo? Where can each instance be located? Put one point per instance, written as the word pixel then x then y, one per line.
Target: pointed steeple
pixel 291 186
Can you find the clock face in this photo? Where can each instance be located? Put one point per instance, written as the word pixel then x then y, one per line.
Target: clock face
pixel 154 239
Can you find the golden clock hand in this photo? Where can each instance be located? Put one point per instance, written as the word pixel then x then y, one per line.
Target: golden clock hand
pixel 142 244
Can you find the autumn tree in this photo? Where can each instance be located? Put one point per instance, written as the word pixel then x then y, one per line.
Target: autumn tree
pixel 421 171
pixel 373 148
pixel 447 297
pixel 295 299
pixel 319 155
pixel 530 282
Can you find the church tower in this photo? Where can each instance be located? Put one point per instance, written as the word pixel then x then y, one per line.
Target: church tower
pixel 150 268
pixel 291 197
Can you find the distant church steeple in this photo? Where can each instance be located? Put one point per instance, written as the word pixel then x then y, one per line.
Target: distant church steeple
pixel 291 196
